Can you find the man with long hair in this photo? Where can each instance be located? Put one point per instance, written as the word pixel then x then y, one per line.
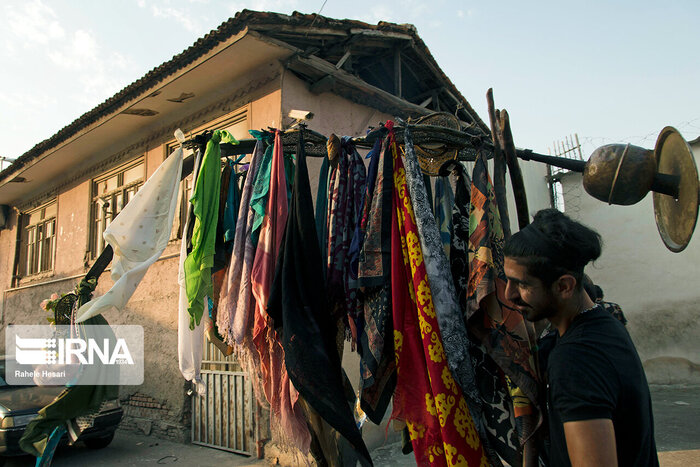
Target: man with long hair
pixel 599 405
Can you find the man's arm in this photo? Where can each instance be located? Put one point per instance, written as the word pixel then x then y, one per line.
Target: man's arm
pixel 591 442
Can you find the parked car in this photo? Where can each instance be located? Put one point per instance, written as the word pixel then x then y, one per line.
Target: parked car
pixel 20 404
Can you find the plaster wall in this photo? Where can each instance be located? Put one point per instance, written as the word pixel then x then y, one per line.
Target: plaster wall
pixel 72 230
pixel 8 237
pixel 657 289
pixel 265 111
pixel 332 114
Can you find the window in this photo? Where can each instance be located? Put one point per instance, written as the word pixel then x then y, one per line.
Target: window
pixel 237 124
pixel 39 240
pixel 110 193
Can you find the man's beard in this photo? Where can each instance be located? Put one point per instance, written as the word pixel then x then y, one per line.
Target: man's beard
pixel 536 314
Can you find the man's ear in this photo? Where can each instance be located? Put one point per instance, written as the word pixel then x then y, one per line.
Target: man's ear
pixel 565 286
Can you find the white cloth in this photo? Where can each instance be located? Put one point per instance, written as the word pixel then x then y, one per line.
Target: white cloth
pixel 190 342
pixel 138 236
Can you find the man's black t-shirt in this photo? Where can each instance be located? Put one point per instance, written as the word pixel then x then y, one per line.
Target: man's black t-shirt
pixel 595 372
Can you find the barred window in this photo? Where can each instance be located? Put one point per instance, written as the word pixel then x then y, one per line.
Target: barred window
pixel 110 193
pixel 39 240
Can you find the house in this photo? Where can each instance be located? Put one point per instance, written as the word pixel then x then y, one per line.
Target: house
pixel 247 74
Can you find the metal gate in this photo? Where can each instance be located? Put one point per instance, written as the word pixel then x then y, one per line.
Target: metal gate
pixel 225 416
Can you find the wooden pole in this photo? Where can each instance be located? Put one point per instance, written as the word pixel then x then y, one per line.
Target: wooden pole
pixel 516 175
pixel 499 167
pixel 397 73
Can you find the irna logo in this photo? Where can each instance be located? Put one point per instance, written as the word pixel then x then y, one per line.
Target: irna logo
pixel 33 351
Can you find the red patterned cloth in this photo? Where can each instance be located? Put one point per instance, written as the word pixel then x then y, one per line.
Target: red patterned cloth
pixel 427 397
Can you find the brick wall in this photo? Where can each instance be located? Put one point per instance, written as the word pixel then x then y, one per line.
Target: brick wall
pixel 145 415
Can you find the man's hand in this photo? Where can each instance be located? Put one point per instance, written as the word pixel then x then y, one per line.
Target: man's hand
pixel 591 443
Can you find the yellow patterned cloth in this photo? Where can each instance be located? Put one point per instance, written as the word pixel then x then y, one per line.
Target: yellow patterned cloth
pixel 427 397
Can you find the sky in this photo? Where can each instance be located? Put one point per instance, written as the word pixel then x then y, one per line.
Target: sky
pixel 611 72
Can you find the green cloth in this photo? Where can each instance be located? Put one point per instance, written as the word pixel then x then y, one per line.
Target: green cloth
pixel 261 185
pixel 289 166
pixel 322 211
pixel 73 401
pixel 205 203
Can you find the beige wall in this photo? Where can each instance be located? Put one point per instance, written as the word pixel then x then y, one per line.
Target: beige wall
pixel 332 114
pixel 265 111
pixel 72 230
pixel 8 237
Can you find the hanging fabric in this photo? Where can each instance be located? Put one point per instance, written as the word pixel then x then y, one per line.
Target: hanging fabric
pixel 233 202
pixel 205 201
pixel 509 339
pixel 236 304
pixel 358 238
pixel 261 188
pixel 38 437
pixel 299 305
pixel 459 241
pixel 450 437
pixel 322 209
pixel 377 362
pixel 228 213
pixel 346 188
pixel 221 253
pixel 189 341
pixel 287 413
pixel 452 327
pixel 375 254
pixel 138 236
pixel 496 408
pixel 444 200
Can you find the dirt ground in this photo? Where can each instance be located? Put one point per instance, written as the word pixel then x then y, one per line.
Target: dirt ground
pixel 676 420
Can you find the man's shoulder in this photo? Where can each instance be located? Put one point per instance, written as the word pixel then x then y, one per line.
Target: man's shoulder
pixel 594 325
pixel 590 336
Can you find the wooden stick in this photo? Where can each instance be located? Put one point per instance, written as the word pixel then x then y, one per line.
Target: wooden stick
pixel 516 175
pixel 499 167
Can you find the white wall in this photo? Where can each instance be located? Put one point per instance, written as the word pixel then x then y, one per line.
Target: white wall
pixel 659 291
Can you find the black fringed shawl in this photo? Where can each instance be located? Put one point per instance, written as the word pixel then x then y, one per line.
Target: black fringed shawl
pixel 298 305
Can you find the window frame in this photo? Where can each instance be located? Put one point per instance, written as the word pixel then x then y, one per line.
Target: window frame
pixel 37 248
pixel 102 214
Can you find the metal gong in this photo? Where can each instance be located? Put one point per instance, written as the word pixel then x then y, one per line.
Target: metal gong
pixel 676 217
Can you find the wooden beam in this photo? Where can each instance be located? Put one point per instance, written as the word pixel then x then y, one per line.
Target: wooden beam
pixel 397 72
pixel 436 101
pixel 516 175
pixel 382 34
pixel 342 60
pixel 499 167
pixel 426 102
pixel 429 92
